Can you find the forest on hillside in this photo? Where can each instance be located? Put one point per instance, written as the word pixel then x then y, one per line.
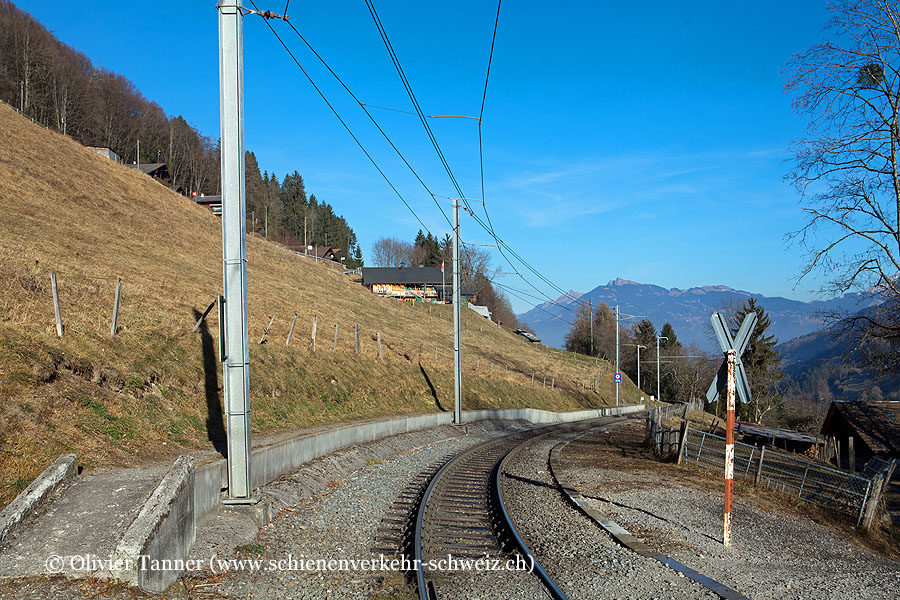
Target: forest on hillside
pixel 60 88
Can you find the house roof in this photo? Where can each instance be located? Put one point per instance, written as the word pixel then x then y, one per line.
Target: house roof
pixel 208 199
pixel 402 275
pixel 775 432
pixel 147 168
pixel 877 423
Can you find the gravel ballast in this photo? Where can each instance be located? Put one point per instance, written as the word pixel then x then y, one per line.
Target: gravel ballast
pixel 579 556
pixel 774 555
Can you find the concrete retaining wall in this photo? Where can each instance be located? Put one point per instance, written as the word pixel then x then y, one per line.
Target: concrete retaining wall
pixel 152 551
pixel 59 473
pixel 199 495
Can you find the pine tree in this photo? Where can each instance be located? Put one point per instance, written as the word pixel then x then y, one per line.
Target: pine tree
pixel 672 340
pixel 762 363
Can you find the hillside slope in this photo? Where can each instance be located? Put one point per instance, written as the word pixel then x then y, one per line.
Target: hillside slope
pixel 153 390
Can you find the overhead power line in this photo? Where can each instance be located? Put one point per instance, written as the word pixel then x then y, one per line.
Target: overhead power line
pixel 347 127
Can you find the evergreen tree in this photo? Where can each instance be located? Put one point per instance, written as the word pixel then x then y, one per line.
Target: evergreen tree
pixel 672 340
pixel 762 363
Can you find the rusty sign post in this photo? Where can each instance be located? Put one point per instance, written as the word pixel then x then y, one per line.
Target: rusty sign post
pixel 733 378
pixel 729 447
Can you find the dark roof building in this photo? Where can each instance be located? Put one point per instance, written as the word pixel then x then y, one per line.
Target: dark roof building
pixel 404 275
pixel 875 427
pixel 158 171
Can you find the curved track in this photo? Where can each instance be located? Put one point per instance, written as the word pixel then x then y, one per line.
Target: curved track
pixel 462 517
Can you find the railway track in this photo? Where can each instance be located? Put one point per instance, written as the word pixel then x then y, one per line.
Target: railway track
pixel 461 519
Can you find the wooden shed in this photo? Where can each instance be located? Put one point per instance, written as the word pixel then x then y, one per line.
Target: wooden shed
pixel 861 430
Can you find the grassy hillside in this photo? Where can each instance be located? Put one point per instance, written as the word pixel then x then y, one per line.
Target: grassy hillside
pixel 155 385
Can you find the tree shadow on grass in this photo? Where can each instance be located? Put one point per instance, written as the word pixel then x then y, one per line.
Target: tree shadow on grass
pixel 215 421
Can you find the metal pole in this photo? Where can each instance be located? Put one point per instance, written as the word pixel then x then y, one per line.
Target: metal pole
pixel 234 250
pixel 617 354
pixel 591 305
pixel 639 365
pixel 115 319
pixel 291 332
pixel 658 397
pixel 729 448
pixel 457 363
pixel 55 288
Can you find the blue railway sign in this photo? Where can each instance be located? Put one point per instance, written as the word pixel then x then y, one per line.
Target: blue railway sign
pixel 618 378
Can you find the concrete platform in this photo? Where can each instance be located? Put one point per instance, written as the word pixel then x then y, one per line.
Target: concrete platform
pixel 89 518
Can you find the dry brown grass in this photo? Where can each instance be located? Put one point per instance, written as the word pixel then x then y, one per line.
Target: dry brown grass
pixel 119 401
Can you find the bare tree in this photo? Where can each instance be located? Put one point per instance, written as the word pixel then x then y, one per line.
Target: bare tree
pixel 391 252
pixel 847 168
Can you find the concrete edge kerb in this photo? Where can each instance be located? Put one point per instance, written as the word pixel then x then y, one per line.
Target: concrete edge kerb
pixel 165 526
pixel 59 473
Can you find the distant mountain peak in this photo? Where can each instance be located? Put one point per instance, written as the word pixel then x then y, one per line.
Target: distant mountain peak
pixel 620 281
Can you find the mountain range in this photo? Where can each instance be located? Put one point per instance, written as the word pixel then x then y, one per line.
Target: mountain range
pixel 687 310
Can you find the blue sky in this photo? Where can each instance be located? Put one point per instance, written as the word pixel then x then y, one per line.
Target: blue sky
pixel 646 142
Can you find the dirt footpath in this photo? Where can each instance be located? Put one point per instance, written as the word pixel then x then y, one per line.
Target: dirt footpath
pixel 779 551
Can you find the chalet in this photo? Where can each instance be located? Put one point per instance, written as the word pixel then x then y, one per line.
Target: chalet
pixel 415 284
pixel 873 427
pixel 213 203
pixel 158 171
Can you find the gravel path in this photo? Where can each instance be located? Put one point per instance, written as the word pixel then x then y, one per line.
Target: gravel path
pixel 581 558
pixel 775 555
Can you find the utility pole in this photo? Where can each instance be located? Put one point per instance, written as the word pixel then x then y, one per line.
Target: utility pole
pixel 234 251
pixel 267 221
pixel 137 157
pixel 617 355
pixel 657 364
pixel 639 364
pixel 457 363
pixel 591 305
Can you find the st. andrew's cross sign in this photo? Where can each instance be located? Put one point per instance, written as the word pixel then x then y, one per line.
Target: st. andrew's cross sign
pixel 738 344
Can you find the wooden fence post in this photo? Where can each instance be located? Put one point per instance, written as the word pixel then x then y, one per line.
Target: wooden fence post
pixel 491 373
pixel 291 331
pixel 312 344
pixel 380 355
pixel 532 379
pixel 115 318
pixel 478 365
pixel 55 288
pixel 334 347
pixel 435 356
pixel 682 442
pixel 872 503
pixel 357 337
pixel 553 384
pixel 262 340
pixel 851 454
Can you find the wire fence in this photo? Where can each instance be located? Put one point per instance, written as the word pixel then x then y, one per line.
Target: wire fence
pixel 788 474
pixel 809 481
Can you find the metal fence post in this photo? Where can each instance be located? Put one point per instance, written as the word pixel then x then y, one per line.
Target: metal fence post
pixel 759 467
pixel 334 347
pixel 803 482
pixel 287 342
pixel 862 507
pixel 115 318
pixel 380 355
pixel 55 288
